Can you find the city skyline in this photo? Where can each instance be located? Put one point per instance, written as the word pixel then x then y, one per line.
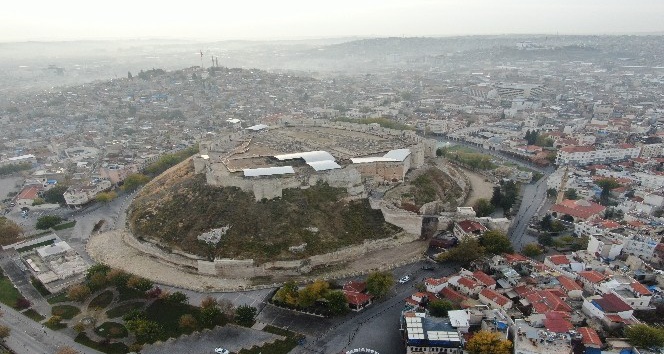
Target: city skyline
pixel 297 19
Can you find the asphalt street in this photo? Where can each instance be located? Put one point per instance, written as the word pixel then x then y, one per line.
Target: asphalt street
pixel 533 198
pixel 30 337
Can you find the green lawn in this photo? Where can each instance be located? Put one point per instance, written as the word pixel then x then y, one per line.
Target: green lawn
pixel 61 297
pixel 36 245
pixel 39 286
pixel 8 293
pixel 67 312
pixel 112 348
pixel 168 315
pixel 112 330
pixel 102 300
pixel 57 326
pixel 121 310
pixel 33 315
pixel 64 226
pixel 129 294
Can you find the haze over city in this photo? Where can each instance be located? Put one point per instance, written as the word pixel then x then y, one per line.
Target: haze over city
pixel 293 19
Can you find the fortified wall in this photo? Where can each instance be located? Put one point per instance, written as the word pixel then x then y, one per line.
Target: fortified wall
pixel 219 154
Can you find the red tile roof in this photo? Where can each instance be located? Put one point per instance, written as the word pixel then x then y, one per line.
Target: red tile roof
pixel 435 281
pixel 557 322
pixel 468 283
pixel 578 208
pixel 611 303
pixel 452 295
pixel 356 286
pixel 559 259
pixel 515 257
pixel 590 337
pixel 469 226
pixel 484 278
pixel 544 301
pixel 29 192
pixel 494 296
pixel 568 284
pixel 355 298
pixel 640 289
pixel 592 276
pixel 577 149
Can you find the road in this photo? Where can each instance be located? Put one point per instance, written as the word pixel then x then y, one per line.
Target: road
pixel 376 327
pixel 30 337
pixel 533 198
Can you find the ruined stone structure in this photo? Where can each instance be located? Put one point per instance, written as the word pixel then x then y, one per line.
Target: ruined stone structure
pixel 249 159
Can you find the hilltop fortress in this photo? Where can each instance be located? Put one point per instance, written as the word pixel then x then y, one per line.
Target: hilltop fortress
pixel 265 160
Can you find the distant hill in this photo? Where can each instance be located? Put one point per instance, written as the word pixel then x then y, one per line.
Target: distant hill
pixel 178 206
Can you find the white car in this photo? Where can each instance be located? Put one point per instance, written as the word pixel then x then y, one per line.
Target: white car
pixel 404 279
pixel 221 351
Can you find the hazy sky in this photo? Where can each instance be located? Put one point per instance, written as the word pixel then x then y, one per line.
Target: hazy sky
pixel 271 19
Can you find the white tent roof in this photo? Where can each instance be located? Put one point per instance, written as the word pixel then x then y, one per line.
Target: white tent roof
pixel 257 127
pixel 268 171
pixel 309 156
pixel 391 156
pixel 324 165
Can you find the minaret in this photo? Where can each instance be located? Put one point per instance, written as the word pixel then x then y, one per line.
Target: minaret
pixel 563 185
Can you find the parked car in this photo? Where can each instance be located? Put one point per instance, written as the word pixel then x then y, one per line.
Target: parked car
pixel 221 351
pixel 427 267
pixel 404 279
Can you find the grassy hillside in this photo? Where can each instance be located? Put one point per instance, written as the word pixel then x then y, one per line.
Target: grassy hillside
pixel 180 206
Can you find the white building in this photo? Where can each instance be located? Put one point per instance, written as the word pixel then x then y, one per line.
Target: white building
pixel 584 155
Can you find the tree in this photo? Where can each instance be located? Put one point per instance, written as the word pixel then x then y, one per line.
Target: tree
pixel 307 296
pixel 98 268
pixel 531 250
pixel 38 201
pixel 245 314
pixel 138 283
pixel 496 242
pixel 545 223
pixel 483 207
pixel 53 321
pixel 177 298
pixel 106 197
pixel 9 231
pixel 78 293
pixel 379 283
pixel 496 197
pixel 4 332
pixel 47 222
pixel 643 335
pixel 134 315
pixel 336 302
pixel 22 303
pixel 467 251
pixel 209 316
pixel 55 195
pixel 226 307
pixel 209 301
pixel 188 323
pixel 288 293
pixel 485 342
pixel 144 330
pixel 551 192
pixel 439 308
pixel 570 193
pixel 129 76
pixel 133 181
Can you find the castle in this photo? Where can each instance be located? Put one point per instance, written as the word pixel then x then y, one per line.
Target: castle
pixel 265 160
